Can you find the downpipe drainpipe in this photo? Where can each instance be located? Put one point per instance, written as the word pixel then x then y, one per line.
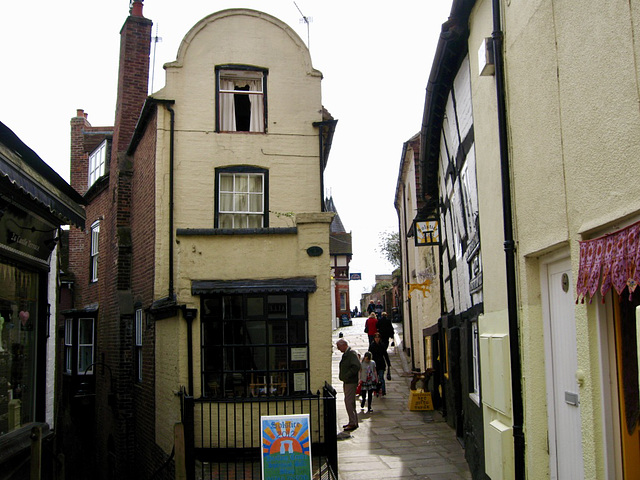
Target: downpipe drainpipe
pixel 171 161
pixel 406 255
pixel 509 249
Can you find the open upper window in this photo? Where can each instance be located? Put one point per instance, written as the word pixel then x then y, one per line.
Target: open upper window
pixel 241 194
pixel 97 162
pixel 241 99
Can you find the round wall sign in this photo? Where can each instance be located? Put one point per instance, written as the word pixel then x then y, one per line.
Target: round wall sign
pixel 314 251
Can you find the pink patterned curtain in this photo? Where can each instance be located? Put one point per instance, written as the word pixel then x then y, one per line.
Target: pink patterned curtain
pixel 610 260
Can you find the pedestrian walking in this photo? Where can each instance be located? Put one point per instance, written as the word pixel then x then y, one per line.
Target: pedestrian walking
pixel 371 326
pixel 378 309
pixel 371 308
pixel 368 381
pixel 378 351
pixel 386 330
pixel 349 375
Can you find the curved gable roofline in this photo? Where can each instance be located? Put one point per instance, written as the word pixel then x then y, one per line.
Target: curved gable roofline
pixel 204 23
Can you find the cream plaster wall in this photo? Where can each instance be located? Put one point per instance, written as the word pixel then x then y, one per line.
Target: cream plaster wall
pixel 289 151
pixel 422 263
pixel 574 136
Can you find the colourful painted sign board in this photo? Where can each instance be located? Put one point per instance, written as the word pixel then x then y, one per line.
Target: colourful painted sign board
pixel 286 447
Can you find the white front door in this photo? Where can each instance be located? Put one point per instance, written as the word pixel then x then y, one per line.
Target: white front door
pixel 563 393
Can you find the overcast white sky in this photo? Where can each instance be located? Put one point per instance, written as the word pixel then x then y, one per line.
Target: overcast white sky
pixel 375 58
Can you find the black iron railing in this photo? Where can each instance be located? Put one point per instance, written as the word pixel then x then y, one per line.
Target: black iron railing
pixel 222 436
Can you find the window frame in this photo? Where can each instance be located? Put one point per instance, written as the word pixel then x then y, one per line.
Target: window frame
pixel 238 331
pixel 252 72
pixel 241 170
pixel 97 163
pixel 137 339
pixel 475 362
pixel 94 253
pixel 68 345
pixel 86 370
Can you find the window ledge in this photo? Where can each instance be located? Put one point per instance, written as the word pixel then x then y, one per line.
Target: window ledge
pixel 236 231
pixel 475 397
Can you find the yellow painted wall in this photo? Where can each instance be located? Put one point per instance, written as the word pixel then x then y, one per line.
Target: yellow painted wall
pixel 289 151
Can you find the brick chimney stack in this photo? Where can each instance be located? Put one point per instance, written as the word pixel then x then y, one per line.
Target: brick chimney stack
pixel 133 77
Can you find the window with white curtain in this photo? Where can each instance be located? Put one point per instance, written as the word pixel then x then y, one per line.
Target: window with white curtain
pixel 241 196
pixel 241 99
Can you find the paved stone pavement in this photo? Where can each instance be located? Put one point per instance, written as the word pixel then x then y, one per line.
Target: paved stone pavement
pixel 392 441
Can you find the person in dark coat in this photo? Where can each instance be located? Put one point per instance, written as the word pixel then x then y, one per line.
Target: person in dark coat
pixel 349 373
pixel 386 330
pixel 378 309
pixel 378 352
pixel 371 308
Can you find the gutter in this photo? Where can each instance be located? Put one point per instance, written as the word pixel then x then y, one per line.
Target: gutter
pixel 509 249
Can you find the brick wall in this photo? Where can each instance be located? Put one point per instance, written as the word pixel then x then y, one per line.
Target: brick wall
pixel 110 200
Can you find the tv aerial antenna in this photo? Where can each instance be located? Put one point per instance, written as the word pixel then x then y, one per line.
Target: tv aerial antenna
pixel 306 20
pixel 155 41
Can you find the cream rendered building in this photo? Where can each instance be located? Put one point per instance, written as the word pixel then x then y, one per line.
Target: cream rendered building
pixel 420 266
pixel 242 239
pixel 572 130
pixel 554 91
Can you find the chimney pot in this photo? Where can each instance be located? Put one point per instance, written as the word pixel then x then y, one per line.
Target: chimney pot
pixel 136 9
pixel 80 113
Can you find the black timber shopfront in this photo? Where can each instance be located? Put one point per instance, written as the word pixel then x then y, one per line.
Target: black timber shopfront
pixel 34 203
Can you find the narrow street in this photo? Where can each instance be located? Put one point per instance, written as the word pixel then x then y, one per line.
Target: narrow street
pixel 394 442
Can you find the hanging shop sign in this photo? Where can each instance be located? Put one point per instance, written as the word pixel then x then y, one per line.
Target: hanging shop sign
pixel 25 233
pixel 427 232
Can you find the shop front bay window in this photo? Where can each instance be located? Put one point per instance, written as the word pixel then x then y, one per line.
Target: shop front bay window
pixel 19 333
pixel 255 345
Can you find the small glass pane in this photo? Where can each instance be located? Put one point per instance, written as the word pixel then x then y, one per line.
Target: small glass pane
pixel 226 202
pixel 85 359
pixel 254 221
pixel 297 332
pixel 242 183
pixel 225 221
pixel 278 357
pixel 256 332
pixel 277 306
pixel 258 359
pixel 297 306
pixel 239 221
pixel 241 203
pixel 255 306
pixel 278 331
pixel 232 306
pixel 255 203
pixel 85 331
pixel 226 183
pixel 255 184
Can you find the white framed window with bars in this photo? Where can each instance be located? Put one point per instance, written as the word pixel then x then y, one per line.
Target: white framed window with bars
pixel 138 344
pixel 475 358
pixel 95 237
pixel 241 198
pixel 68 345
pixel 97 163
